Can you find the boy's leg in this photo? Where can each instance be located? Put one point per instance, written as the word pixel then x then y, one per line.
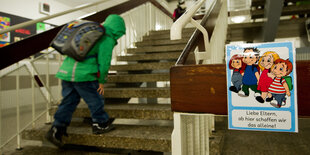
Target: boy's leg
pixel 101 122
pixel 254 88
pixel 245 89
pixel 95 102
pixel 63 114
pixel 70 100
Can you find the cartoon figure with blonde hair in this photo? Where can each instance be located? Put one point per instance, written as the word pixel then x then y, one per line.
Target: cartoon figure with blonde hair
pixel 265 63
pixel 282 83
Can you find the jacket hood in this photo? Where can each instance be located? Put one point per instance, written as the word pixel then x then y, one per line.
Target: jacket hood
pixel 116 25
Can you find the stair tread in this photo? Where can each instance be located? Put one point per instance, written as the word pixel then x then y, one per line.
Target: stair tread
pixel 164 48
pixel 45 150
pixel 133 111
pixel 165 36
pixel 125 106
pixel 153 56
pixel 163 92
pixel 168 31
pixel 155 138
pixel 75 150
pixel 139 88
pixel 250 31
pixel 161 42
pixel 288 10
pixel 143 66
pixel 139 77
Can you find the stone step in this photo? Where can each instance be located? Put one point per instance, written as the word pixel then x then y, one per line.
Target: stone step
pixel 127 111
pixel 165 36
pixel 151 138
pixel 165 48
pixel 70 150
pixel 250 31
pixel 142 66
pixel 163 92
pixel 186 30
pixel 263 2
pixel 153 56
pixel 127 78
pixel 288 10
pixel 166 41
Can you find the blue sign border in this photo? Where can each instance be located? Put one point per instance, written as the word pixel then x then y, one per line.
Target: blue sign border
pixel 291 109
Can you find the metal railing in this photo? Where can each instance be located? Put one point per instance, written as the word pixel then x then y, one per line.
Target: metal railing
pixel 213 46
pixel 28 80
pixel 192 131
pixel 30 88
pixel 31 22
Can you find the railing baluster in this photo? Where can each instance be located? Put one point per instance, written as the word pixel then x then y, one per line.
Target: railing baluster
pixel 33 98
pixel 48 117
pixel 17 109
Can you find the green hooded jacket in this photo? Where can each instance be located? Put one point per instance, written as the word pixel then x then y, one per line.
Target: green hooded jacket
pixel 75 71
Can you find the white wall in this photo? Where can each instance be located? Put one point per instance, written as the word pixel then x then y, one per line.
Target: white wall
pixel 30 9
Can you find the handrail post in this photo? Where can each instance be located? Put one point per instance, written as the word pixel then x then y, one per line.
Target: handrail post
pixel 48 117
pixel 205 37
pixel 33 97
pixel 17 109
pixel 177 26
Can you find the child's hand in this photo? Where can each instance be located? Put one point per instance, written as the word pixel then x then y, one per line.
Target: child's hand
pixel 271 75
pixel 288 93
pixel 100 90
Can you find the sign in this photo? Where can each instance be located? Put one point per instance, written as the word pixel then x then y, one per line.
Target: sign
pixel 5 23
pixel 261 87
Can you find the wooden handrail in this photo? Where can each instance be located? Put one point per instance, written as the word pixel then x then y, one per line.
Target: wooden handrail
pixel 22 49
pixel 203 88
pixel 208 22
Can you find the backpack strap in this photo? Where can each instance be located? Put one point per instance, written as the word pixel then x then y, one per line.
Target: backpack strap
pixel 91 56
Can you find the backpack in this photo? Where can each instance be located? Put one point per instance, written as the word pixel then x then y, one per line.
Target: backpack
pixel 288 80
pixel 76 38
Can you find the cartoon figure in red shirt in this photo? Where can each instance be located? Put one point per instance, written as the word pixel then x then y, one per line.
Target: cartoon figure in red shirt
pixel 265 63
pixel 237 66
pixel 279 87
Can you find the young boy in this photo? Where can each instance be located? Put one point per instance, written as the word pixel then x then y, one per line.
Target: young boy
pixel 251 73
pixel 79 79
pixel 279 88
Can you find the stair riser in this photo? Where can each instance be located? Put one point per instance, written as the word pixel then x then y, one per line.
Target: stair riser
pixel 138 78
pixel 187 30
pixel 163 93
pixel 146 66
pixel 170 48
pixel 165 36
pixel 161 42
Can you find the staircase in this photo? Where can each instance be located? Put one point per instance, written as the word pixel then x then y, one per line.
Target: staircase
pixel 143 115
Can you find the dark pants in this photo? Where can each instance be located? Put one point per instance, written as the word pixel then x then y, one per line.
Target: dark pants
pixel 72 92
pixel 279 98
pixel 245 89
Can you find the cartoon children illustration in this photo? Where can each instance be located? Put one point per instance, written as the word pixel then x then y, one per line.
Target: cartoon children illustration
pixel 265 63
pixel 237 66
pixel 251 73
pixel 279 87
